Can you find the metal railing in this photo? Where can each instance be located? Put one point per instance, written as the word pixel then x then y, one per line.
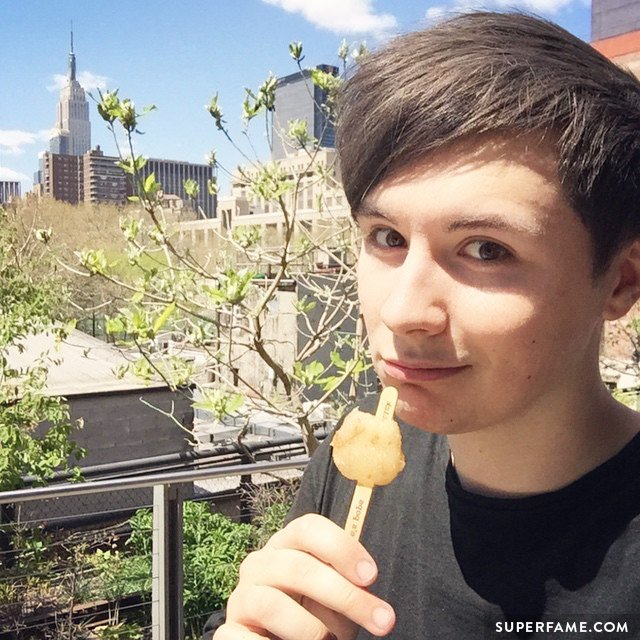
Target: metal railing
pixel 167 616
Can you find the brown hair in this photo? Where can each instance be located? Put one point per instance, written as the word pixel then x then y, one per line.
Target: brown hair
pixel 500 73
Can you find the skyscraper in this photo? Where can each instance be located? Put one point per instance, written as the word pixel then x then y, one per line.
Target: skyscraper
pixel 297 98
pixel 73 129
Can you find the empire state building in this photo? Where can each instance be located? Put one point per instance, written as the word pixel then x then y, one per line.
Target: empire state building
pixel 73 129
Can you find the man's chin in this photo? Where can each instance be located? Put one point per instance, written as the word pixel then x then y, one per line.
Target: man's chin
pixel 431 419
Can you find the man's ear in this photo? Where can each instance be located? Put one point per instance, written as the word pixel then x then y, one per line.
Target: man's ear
pixel 625 276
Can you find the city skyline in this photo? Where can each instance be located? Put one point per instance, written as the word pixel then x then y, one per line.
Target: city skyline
pixel 178 56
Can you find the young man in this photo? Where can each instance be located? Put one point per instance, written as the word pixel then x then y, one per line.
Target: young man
pixel 493 165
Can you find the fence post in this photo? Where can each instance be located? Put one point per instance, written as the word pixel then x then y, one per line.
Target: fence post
pixel 167 618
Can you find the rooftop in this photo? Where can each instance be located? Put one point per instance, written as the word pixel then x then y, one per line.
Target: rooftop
pixel 80 365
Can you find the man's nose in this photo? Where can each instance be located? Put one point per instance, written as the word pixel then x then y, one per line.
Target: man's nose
pixel 418 299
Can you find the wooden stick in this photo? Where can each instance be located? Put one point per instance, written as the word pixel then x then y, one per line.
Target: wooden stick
pixel 387 403
pixel 362 494
pixel 358 510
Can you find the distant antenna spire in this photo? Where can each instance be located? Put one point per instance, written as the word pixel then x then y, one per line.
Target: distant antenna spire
pixel 72 59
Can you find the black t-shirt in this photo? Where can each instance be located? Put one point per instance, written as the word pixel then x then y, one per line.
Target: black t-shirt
pixel 460 566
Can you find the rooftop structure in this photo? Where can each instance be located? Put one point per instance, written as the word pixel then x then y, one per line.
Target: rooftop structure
pixel 83 364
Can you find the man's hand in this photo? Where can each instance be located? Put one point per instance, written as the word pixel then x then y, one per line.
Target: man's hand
pixel 307 582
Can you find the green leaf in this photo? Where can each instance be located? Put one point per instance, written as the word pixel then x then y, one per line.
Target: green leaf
pixel 212 186
pixel 191 188
pixel 250 107
pixel 330 383
pixel 216 112
pixel 151 186
pixel 219 402
pixel 266 97
pixel 337 360
pixel 214 294
pixel 247 235
pixel 360 52
pixel 298 132
pixel 235 402
pixel 308 374
pixel 315 368
pixel 127 165
pixel 109 105
pixel 127 115
pixel 304 304
pixel 343 51
pixel 233 286
pixel 163 317
pixel 93 261
pixel 295 51
pixel 325 81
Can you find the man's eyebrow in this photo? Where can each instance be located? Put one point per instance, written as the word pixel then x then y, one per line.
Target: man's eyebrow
pixel 369 211
pixel 460 222
pixel 494 222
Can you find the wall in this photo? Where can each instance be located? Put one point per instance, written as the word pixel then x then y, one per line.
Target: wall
pixel 117 427
pixel 280 336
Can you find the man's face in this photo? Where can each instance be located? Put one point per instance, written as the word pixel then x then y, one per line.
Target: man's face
pixel 476 288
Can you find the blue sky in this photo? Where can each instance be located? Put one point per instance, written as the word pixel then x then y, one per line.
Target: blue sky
pixel 178 54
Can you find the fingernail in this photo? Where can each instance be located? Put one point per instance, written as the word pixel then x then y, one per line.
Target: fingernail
pixel 382 618
pixel 366 571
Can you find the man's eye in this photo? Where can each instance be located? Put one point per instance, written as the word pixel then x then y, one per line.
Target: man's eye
pixel 486 251
pixel 388 238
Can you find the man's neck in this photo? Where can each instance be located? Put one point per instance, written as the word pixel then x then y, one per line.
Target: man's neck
pixel 543 454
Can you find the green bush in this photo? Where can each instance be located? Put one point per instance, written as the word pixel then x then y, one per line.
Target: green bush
pixel 213 549
pixel 120 575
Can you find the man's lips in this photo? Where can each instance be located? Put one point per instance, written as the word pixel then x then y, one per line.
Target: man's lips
pixel 419 372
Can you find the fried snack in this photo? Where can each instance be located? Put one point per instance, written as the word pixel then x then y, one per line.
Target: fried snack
pixel 368 449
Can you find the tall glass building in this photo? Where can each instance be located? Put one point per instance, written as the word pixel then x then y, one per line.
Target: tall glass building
pixel 297 98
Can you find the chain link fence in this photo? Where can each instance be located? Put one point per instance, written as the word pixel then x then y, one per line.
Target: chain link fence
pixel 76 559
